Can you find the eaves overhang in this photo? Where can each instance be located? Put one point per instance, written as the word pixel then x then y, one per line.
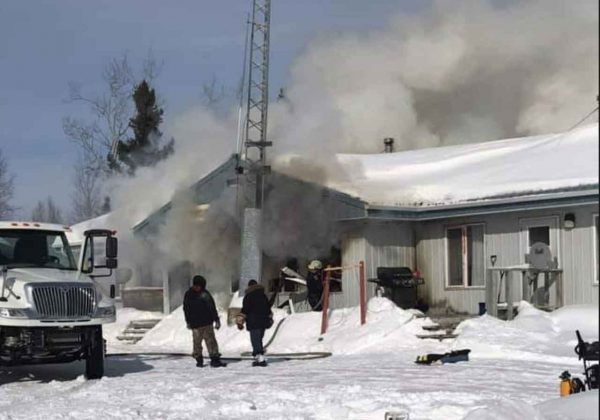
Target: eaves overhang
pixel 475 208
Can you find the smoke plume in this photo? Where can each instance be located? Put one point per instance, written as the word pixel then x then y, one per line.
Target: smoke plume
pixel 458 72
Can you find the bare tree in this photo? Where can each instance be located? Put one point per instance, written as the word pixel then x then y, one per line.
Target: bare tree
pixel 6 189
pixel 110 111
pixel 46 212
pixel 87 195
pixel 213 93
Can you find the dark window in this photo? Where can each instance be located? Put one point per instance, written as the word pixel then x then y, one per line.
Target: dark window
pixel 455 263
pixel 539 234
pixel 475 258
pixel 465 255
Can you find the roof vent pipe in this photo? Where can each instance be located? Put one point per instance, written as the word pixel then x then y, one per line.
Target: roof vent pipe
pixel 388 143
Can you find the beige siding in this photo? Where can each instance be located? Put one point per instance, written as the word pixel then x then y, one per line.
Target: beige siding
pixel 383 244
pixel 502 238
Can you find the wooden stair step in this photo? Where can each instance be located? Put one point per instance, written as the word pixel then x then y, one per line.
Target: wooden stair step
pixel 144 323
pixel 135 332
pixel 130 338
pixel 434 327
pixel 437 336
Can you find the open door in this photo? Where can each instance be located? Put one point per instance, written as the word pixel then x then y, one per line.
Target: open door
pixel 544 230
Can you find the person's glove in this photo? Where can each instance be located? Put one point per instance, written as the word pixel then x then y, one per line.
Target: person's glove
pixel 217 324
pixel 239 320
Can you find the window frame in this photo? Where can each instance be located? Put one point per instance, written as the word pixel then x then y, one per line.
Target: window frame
pixel 464 262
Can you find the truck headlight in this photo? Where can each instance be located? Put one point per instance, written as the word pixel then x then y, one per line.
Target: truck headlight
pixel 13 313
pixel 106 312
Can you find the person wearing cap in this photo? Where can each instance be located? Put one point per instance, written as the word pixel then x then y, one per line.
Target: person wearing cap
pixel 200 314
pixel 256 313
pixel 314 284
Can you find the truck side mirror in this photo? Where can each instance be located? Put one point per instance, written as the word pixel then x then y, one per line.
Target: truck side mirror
pixel 111 263
pixel 87 262
pixel 111 248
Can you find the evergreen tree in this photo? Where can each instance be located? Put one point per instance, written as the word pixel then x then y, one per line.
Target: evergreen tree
pixel 144 149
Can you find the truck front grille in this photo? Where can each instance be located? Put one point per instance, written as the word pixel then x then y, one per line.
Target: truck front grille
pixel 65 301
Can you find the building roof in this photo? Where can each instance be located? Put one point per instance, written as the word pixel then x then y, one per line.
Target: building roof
pixel 75 234
pixel 475 174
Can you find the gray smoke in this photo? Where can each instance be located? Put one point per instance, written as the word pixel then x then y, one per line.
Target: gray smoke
pixel 461 71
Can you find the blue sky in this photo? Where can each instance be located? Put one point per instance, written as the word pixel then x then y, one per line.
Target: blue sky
pixel 45 44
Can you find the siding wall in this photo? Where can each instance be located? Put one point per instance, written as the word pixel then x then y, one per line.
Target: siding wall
pixel 502 238
pixel 382 244
pixel 422 245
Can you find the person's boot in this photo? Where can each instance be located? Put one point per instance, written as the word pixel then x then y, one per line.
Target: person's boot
pixel 259 360
pixel 199 362
pixel 215 361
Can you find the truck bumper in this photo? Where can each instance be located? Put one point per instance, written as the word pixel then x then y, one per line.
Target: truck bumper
pixel 19 346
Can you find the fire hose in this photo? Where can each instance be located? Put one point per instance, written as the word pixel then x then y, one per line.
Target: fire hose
pixel 243 355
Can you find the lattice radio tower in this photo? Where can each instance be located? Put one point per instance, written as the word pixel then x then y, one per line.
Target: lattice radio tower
pixel 255 135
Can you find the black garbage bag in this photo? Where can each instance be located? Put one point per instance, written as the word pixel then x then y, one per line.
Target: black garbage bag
pixel 450 357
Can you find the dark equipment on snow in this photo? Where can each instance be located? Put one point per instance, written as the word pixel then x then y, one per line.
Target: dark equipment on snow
pixel 451 357
pixel 589 352
pixel 399 285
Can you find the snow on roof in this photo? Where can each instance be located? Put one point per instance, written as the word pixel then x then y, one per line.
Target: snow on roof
pixel 474 172
pixel 75 236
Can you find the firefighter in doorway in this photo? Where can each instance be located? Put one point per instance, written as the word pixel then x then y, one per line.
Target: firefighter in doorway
pixel 314 284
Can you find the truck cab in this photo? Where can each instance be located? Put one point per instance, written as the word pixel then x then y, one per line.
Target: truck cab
pixel 52 307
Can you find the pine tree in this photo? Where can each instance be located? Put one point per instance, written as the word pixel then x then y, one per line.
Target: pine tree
pixel 144 149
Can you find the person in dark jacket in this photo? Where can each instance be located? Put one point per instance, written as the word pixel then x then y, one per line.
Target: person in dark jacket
pixel 200 313
pixel 256 314
pixel 314 284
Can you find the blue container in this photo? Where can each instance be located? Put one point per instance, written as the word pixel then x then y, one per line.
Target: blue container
pixel 481 308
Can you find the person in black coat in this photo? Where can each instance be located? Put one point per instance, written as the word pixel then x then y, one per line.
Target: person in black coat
pixel 256 314
pixel 200 313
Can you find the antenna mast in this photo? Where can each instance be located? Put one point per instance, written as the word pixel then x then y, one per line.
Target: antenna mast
pixel 255 141
pixel 254 159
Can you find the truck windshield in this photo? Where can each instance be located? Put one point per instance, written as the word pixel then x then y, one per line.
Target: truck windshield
pixel 21 248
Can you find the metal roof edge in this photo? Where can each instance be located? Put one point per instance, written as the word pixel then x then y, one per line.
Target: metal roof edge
pixel 575 198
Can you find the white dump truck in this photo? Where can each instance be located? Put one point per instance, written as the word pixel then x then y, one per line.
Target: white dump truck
pixel 52 307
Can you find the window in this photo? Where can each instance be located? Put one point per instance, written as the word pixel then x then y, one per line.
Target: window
pixel 20 248
pixel 596 249
pixel 539 234
pixel 465 256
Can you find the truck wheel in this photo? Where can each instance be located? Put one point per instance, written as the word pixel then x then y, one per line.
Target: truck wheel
pixel 94 363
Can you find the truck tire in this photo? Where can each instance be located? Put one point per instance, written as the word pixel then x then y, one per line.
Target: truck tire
pixel 94 363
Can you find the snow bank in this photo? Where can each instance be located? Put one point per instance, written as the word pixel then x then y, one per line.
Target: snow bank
pixel 388 327
pixel 443 175
pixel 531 332
pixel 578 317
pixel 583 406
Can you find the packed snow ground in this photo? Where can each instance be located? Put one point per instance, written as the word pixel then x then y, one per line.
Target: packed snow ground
pixel 512 373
